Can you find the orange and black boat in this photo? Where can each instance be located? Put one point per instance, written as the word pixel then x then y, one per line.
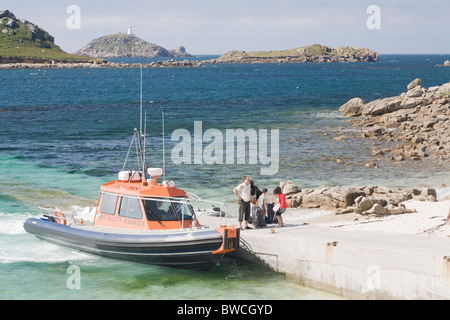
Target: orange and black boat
pixel 137 219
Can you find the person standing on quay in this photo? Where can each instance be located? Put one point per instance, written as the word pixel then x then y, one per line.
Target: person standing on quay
pixel 281 202
pixel 242 191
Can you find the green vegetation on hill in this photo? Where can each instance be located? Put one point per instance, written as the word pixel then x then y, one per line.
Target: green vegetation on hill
pixel 23 41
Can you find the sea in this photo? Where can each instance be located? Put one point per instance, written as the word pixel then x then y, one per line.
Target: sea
pixel 65 132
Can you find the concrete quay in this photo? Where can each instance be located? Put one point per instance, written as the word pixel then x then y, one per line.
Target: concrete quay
pixel 354 264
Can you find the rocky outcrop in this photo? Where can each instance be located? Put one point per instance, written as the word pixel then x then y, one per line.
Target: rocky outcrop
pixel 102 64
pixel 446 64
pixel 179 52
pixel 418 120
pixel 314 53
pixel 23 41
pixel 377 200
pixel 12 26
pixel 123 45
pixel 352 107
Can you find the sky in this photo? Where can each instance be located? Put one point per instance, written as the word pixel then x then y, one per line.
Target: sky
pixel 214 27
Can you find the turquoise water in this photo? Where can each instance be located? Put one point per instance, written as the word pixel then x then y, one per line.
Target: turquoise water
pixel 63 133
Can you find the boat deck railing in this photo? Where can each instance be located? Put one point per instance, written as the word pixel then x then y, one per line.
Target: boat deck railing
pixel 221 205
pixel 68 218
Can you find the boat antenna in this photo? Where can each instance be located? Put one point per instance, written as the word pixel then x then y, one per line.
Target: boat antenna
pixel 142 136
pixel 143 155
pixel 140 141
pixel 164 149
pixel 140 119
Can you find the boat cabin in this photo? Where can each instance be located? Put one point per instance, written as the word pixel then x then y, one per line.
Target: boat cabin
pixel 128 204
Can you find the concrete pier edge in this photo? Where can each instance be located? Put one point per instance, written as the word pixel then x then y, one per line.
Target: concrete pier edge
pixel 353 264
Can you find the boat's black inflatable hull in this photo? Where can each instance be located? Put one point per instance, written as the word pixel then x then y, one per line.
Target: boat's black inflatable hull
pixel 191 250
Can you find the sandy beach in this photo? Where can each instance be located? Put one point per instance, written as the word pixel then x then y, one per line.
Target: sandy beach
pixel 428 220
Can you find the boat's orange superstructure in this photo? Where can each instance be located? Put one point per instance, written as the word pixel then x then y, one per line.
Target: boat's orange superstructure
pixel 140 191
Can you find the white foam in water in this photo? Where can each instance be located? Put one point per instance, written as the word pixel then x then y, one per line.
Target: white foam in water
pixel 27 248
pixel 329 114
pixel 12 223
pixel 16 245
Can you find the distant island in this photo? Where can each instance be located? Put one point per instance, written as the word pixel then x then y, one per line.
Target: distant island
pixel 127 45
pixel 24 45
pixel 24 42
pixel 313 53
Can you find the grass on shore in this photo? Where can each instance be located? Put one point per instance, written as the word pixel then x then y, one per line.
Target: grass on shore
pixel 22 46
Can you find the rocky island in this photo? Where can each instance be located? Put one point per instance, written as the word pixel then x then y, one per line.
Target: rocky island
pixel 22 41
pixel 314 53
pixel 123 45
pixel 24 45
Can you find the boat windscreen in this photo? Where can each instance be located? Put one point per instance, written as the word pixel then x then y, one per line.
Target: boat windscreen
pixel 184 210
pixel 157 210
